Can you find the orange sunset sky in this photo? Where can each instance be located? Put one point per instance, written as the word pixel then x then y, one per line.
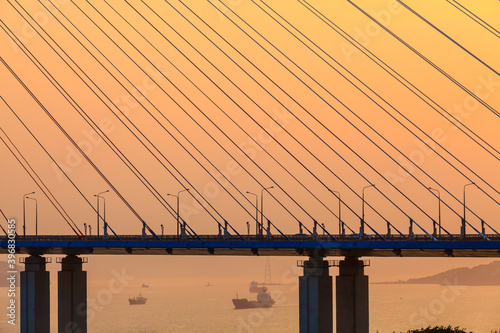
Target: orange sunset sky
pixel 299 89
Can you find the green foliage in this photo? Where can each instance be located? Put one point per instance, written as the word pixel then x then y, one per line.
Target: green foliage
pixel 439 329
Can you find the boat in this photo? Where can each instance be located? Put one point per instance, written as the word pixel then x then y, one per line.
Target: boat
pixel 137 300
pixel 208 284
pixel 255 288
pixel 145 285
pixel 264 300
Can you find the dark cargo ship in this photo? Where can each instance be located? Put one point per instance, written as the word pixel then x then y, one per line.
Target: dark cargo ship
pixel 255 288
pixel 264 300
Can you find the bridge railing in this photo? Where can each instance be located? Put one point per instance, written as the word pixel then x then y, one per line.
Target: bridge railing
pixel 274 238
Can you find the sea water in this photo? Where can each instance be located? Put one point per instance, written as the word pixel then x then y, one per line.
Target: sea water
pixel 201 308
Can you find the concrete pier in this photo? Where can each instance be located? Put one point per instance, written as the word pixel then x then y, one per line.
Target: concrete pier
pixel 35 296
pixel 316 297
pixel 352 297
pixel 72 296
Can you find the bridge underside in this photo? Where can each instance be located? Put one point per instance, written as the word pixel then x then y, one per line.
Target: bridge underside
pixel 265 248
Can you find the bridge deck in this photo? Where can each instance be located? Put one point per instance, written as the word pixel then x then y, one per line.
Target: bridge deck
pixel 419 246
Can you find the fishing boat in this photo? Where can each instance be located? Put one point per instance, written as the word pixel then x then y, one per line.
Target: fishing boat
pixel 137 300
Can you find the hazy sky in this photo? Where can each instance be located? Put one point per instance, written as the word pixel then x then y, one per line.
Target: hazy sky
pixel 311 111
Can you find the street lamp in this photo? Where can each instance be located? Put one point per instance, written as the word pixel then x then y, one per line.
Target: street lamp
pixel 337 194
pixel 248 228
pixel 463 220
pixel 262 206
pixel 98 195
pixel 36 214
pixel 161 225
pixel 178 216
pixel 363 199
pixel 24 212
pixel 256 212
pixel 439 209
pixel 362 227
pixel 465 186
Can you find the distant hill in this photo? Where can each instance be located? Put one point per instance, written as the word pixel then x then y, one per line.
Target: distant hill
pixel 3 273
pixel 482 275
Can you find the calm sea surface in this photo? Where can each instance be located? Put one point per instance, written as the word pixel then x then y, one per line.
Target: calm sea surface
pixel 209 309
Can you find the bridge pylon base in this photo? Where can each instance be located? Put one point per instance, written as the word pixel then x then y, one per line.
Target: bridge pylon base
pixel 72 296
pixel 352 297
pixel 35 296
pixel 316 297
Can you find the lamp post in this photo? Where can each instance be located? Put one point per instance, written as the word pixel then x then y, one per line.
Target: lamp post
pixel 465 209
pixel 337 194
pixel 161 229
pixel 36 214
pixel 98 196
pixel 85 227
pixel 248 228
pixel 362 228
pixel 465 186
pixel 262 205
pixel 439 208
pixel 363 199
pixel 256 212
pixel 178 216
pixel 24 212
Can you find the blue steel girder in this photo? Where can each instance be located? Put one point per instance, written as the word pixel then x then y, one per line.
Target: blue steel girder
pixel 366 248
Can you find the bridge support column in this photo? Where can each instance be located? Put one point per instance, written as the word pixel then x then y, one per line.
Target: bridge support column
pixel 35 296
pixel 316 297
pixel 352 297
pixel 72 296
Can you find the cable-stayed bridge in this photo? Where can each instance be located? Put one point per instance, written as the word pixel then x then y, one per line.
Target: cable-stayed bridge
pixel 313 129
pixel 291 245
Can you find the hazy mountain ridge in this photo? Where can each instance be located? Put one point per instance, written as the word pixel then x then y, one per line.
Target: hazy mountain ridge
pixel 482 275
